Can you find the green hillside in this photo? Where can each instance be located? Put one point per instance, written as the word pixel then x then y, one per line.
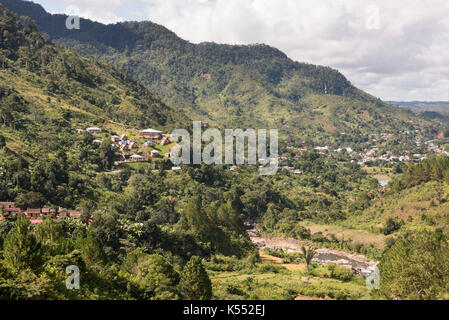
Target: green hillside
pixel 232 86
pixel 46 94
pixel 417 199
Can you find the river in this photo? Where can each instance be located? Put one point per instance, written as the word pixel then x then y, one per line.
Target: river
pixel 359 264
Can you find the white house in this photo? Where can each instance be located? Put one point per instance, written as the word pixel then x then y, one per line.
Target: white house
pixel 137 158
pixel 93 130
pixel 151 134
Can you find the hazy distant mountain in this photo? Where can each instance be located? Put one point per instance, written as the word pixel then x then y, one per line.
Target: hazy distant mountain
pixel 430 110
pixel 422 106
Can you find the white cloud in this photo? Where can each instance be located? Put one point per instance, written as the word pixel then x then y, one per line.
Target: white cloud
pixel 404 59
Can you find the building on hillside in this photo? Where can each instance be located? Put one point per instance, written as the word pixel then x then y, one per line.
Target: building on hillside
pixel 137 158
pixel 154 154
pixel 33 213
pixel 96 142
pixel 74 214
pixel 12 212
pixel 151 134
pixel 48 212
pixel 165 141
pixel 7 205
pixel 123 137
pixel 62 213
pixel 148 143
pixel 115 138
pixel 124 146
pixel 94 130
pixel 132 145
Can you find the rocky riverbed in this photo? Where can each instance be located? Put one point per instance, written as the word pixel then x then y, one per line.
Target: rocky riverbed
pixel 359 264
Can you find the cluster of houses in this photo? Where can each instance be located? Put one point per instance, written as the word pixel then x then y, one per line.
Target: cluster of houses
pixel 9 210
pixel 125 144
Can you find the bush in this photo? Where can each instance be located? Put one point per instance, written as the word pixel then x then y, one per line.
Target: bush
pixel 391 226
pixel 339 272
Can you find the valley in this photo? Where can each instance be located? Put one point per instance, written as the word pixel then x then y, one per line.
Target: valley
pixel 86 177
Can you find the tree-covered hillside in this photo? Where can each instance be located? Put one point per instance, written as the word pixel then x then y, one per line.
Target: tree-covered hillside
pixel 46 94
pixel 232 86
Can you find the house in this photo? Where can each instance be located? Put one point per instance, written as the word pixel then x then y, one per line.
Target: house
pixel 148 143
pixel 36 221
pixel 151 134
pixel 165 141
pixel 154 154
pixel 33 213
pixel 176 168
pixel 123 137
pixel 96 142
pixel 74 214
pixel 94 130
pixel 12 211
pixel 115 138
pixel 7 205
pixel 132 145
pixel 63 213
pixel 137 158
pixel 48 212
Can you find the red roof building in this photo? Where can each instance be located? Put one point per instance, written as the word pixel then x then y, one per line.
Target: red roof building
pixel 33 213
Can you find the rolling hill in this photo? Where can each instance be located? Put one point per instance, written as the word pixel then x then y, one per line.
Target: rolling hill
pixel 232 86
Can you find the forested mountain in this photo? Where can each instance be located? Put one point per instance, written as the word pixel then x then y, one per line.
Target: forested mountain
pixel 231 86
pixel 46 93
pixel 117 241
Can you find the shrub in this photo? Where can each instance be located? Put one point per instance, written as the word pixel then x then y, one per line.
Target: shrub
pixel 339 272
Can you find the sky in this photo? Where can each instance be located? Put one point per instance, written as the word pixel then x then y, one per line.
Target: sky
pixel 395 50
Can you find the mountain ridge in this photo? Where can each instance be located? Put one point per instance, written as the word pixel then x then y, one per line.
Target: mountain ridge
pixel 232 85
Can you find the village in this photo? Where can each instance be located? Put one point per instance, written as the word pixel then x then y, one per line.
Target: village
pixel 149 144
pixel 9 210
pixel 418 151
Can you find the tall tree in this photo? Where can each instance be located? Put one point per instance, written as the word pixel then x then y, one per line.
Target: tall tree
pixel 195 283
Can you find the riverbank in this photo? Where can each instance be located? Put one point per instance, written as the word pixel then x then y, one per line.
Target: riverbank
pixel 358 263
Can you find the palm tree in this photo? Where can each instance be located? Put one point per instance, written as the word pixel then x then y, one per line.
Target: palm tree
pixel 308 254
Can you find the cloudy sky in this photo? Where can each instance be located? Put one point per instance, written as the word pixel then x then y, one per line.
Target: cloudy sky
pixel 396 50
